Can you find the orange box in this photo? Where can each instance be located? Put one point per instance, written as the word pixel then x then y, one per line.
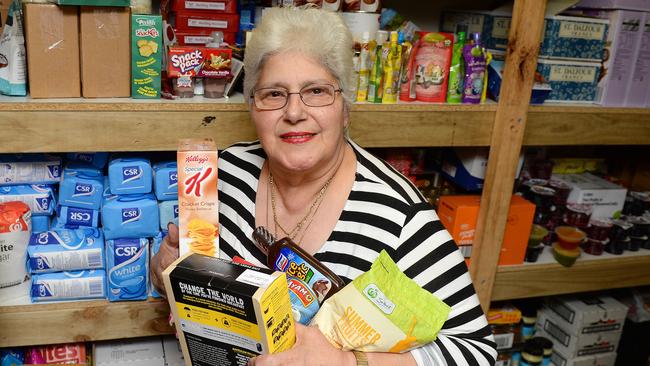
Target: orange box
pixel 459 215
pixel 198 204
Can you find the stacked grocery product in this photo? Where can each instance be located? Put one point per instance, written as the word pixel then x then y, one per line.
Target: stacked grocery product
pixel 584 329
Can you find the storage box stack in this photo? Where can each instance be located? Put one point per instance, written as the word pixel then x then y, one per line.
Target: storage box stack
pixel 197 19
pixel 584 330
pixel 130 218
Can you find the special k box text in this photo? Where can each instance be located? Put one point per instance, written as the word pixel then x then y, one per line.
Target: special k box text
pixel 459 215
pixel 198 205
pixel 227 313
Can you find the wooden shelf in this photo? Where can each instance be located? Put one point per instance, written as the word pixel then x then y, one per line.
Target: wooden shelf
pixel 82 321
pixel 135 125
pixel 607 272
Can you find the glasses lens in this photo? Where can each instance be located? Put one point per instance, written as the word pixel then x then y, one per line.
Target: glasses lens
pixel 318 95
pixel 270 98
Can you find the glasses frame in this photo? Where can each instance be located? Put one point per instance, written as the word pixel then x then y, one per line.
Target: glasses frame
pixel 299 93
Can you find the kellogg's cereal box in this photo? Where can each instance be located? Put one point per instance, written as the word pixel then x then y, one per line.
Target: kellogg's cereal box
pixel 146 56
pixel 198 205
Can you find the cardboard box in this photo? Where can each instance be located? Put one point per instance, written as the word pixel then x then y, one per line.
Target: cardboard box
pixel 588 314
pixel 574 38
pixel 146 56
pixel 217 6
pixel 638 90
pixel 605 197
pixel 572 345
pixel 173 351
pixel 201 37
pixel 189 20
pixel 605 359
pixel 105 52
pixel 571 81
pixel 132 352
pixel 459 214
pixel 227 313
pixel 52 42
pixel 623 40
pixel 198 201
pixel 643 5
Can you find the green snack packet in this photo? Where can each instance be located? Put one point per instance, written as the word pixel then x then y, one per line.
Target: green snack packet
pixel 382 311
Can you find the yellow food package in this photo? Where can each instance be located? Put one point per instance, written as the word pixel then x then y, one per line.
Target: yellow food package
pixel 381 311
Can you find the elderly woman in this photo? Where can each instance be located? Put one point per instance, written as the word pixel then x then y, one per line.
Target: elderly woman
pixel 307 180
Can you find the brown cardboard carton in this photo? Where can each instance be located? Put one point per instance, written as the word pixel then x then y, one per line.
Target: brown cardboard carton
pixel 105 52
pixel 52 44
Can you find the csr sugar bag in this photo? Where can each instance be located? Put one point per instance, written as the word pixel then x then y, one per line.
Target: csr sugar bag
pixel 381 311
pixel 15 228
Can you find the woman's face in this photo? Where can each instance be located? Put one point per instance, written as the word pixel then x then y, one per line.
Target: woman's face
pixel 299 138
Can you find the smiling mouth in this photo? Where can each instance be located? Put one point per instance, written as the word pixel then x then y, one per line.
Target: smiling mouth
pixel 297 135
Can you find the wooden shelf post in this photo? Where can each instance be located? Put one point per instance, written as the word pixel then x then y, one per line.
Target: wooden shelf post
pixel 507 136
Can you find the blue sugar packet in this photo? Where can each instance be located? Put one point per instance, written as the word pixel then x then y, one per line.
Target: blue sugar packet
pixel 165 181
pixel 75 168
pixel 29 169
pixel 81 191
pixel 71 285
pixel 168 211
pixel 73 217
pixel 97 159
pixel 130 176
pixel 130 216
pixel 40 224
pixel 127 262
pixel 65 250
pixel 38 197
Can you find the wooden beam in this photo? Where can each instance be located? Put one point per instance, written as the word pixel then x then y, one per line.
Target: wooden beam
pixel 507 136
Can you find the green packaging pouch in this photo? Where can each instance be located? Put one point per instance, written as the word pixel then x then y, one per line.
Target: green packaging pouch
pixel 382 310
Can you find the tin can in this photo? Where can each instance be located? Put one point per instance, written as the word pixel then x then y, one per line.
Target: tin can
pixel 371 6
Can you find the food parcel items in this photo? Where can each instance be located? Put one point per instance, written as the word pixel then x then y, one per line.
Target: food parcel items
pixel 198 219
pixel 165 181
pixel 15 227
pixel 80 190
pixel 130 176
pixel 73 217
pixel 227 313
pixel 66 250
pixel 38 197
pixel 71 285
pixel 146 56
pixel 130 216
pixel 168 213
pixel 12 48
pixel 97 159
pixel 29 169
pixel 75 168
pixel 57 354
pixel 382 310
pixel 127 266
pixel 310 282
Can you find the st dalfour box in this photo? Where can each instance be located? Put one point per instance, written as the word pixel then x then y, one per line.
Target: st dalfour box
pixel 146 56
pixel 574 37
pixel 198 201
pixel 234 310
pixel 571 81
pixel 622 46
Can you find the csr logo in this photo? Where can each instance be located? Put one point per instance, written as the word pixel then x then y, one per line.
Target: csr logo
pixel 130 215
pixel 130 173
pixel 82 188
pixel 80 216
pixel 173 178
pixel 126 251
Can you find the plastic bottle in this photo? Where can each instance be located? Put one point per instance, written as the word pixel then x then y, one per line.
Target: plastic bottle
pixel 474 71
pixel 310 282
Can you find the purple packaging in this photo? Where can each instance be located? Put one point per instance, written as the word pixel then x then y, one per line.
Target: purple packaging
pixel 474 71
pixel 638 91
pixel 622 47
pixel 642 5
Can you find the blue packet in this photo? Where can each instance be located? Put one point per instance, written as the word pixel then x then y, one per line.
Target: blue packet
pixel 39 197
pixel 130 176
pixel 165 181
pixel 65 250
pixel 73 217
pixel 127 261
pixel 82 191
pixel 73 285
pixel 130 216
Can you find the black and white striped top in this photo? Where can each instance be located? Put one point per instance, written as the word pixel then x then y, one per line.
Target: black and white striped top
pixel 384 211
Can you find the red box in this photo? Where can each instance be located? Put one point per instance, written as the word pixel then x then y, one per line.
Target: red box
pixel 200 37
pixel 459 215
pixel 215 6
pixel 199 62
pixel 192 20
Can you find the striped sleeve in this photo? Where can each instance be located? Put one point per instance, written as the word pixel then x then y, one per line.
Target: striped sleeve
pixel 428 255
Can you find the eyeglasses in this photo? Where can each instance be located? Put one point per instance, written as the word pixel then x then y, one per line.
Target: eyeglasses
pixel 316 95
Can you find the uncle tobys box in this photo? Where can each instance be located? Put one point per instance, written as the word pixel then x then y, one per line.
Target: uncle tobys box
pixel 198 204
pixel 227 313
pixel 146 56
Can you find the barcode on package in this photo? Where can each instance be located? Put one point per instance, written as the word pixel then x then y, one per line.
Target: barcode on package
pixel 95 259
pixel 557 333
pixel 604 348
pixel 96 286
pixel 504 341
pixel 466 250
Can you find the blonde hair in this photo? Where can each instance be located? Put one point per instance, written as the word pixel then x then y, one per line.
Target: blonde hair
pixel 315 33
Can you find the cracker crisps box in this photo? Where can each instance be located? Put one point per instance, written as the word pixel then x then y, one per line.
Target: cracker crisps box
pixel 227 313
pixel 146 56
pixel 198 205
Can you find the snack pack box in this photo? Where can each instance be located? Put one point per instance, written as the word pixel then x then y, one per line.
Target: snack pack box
pixel 234 310
pixel 198 204
pixel 146 56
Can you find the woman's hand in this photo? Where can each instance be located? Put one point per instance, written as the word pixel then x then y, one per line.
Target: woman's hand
pixel 166 255
pixel 311 348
